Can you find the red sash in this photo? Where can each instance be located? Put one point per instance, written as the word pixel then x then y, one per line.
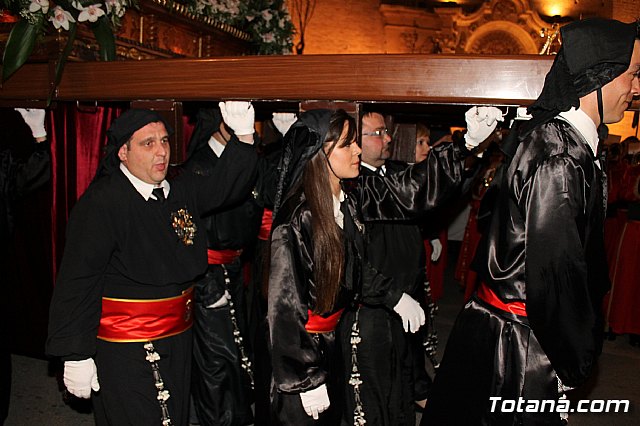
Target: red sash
pixel 265 227
pixel 486 294
pixel 319 324
pixel 222 257
pixel 141 320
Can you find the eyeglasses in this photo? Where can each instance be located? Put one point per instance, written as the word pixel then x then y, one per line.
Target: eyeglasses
pixel 380 133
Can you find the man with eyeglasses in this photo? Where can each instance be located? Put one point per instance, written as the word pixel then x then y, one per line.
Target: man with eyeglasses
pixel 388 318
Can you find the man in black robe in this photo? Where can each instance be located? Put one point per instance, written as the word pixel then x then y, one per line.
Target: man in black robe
pixel 17 178
pixel 390 318
pixel 534 327
pixel 222 376
pixel 121 312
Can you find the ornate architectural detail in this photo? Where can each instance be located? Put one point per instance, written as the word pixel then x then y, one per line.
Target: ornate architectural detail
pixel 502 27
pixel 505 10
pixel 496 43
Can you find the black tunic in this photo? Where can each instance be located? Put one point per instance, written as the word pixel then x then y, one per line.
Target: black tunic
pixel 220 388
pixel 395 248
pixel 545 248
pixel 302 361
pixel 119 245
pixel 17 177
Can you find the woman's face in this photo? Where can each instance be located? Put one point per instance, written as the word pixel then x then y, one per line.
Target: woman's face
pixel 422 148
pixel 345 158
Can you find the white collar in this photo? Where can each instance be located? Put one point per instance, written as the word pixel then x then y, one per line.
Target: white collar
pixel 338 216
pixel 145 189
pixel 584 125
pixel 374 169
pixel 216 146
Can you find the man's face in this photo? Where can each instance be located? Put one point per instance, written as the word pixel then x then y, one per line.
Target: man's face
pixel 146 155
pixel 617 95
pixel 375 149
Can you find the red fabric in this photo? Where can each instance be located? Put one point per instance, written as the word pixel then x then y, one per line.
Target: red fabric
pixel 265 227
pixel 128 320
pixel 319 324
pixel 621 303
pixel 486 294
pixel 464 274
pixel 612 232
pixel 222 257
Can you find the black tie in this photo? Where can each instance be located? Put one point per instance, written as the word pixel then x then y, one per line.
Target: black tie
pixel 159 194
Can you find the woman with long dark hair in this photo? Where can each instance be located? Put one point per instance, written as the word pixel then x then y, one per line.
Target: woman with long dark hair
pixel 307 289
pixel 318 261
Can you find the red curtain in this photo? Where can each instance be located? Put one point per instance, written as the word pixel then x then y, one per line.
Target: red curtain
pixel 78 136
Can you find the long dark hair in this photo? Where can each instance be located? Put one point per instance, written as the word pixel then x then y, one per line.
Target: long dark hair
pixel 328 247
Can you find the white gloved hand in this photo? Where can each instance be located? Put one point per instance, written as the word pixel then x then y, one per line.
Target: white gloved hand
pixel 238 115
pixel 223 301
pixel 80 377
pixel 35 120
pixel 411 313
pixel 283 121
pixel 436 249
pixel 315 401
pixel 481 122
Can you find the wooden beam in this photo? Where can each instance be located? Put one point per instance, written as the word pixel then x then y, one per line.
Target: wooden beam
pixel 449 79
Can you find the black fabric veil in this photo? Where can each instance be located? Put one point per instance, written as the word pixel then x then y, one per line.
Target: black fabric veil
pixel 594 52
pixel 303 140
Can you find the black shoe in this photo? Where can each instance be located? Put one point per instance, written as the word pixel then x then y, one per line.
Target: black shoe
pixel 634 340
pixel 610 335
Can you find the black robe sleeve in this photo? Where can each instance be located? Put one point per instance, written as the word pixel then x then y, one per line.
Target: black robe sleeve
pixel 559 306
pixel 77 298
pixel 35 171
pixel 231 180
pixel 414 190
pixel 296 358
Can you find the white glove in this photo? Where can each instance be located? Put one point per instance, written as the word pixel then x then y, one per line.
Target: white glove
pixel 238 115
pixel 411 313
pixel 223 301
pixel 283 121
pixel 481 122
pixel 436 249
pixel 80 377
pixel 315 401
pixel 35 120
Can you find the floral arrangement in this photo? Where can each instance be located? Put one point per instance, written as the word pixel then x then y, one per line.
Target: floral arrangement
pixel 268 21
pixel 101 16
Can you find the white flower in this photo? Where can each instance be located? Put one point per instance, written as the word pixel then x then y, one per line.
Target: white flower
pixel 267 15
pixel 268 37
pixel 77 4
pixel 61 18
pixel 37 5
pixel 91 13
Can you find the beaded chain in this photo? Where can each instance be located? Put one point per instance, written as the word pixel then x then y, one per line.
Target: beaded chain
pixel 163 394
pixel 245 362
pixel 354 379
pixel 430 341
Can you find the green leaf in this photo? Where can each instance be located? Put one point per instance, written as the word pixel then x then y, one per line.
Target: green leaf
pixel 105 38
pixel 20 44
